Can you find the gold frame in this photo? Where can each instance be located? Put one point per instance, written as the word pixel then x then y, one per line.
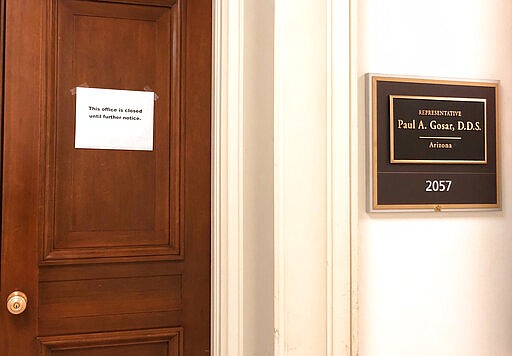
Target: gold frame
pixel 373 205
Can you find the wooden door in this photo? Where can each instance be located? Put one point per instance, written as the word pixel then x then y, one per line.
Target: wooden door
pixel 111 247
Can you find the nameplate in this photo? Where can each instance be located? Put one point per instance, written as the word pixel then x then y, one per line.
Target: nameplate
pixel 434 144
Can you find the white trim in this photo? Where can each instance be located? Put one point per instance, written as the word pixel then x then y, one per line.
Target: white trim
pixel 354 175
pixel 227 179
pixel 341 248
pixel 235 178
pixel 341 175
pixel 216 320
pixel 330 179
pixel 300 176
pixel 279 183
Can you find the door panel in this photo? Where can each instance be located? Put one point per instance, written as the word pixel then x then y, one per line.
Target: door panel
pixel 104 203
pixel 111 247
pixel 114 303
pixel 164 342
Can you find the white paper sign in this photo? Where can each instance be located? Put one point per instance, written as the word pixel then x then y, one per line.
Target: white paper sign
pixel 114 119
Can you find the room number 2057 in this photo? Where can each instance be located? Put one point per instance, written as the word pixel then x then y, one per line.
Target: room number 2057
pixel 438 185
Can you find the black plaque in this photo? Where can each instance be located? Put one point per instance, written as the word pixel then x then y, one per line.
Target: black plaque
pixel 437 130
pixel 434 144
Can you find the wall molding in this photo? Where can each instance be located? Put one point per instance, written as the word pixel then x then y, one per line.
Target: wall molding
pixel 279 183
pixel 342 321
pixel 337 222
pixel 227 178
pixel 353 115
pixel 302 284
pixel 332 25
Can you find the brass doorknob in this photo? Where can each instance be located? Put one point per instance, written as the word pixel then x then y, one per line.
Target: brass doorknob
pixel 16 302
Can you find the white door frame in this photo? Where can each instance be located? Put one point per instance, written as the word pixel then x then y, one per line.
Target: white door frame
pixel 338 115
pixel 227 179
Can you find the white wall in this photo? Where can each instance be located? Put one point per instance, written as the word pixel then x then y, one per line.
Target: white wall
pixel 436 283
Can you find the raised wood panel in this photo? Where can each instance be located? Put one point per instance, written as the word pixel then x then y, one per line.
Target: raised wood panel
pixel 144 2
pixel 58 326
pixel 113 204
pixel 103 303
pixel 116 270
pixel 158 342
pixel 86 298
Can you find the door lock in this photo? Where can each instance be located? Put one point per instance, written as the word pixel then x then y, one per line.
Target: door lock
pixel 16 302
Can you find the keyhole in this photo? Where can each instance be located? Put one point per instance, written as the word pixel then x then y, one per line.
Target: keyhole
pixel 16 306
